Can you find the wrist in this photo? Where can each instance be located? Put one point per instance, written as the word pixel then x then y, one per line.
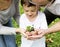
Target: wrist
pixel 47 31
pixel 17 30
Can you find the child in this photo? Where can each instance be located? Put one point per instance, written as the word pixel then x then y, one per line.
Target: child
pixel 32 17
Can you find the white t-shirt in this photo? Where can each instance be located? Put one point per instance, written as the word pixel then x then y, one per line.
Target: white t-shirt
pixel 55 7
pixel 39 22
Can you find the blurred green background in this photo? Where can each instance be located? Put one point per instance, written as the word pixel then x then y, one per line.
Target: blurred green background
pixel 52 40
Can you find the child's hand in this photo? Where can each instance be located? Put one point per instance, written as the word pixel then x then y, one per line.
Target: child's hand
pixel 28 33
pixel 40 34
pixel 37 34
pixel 34 33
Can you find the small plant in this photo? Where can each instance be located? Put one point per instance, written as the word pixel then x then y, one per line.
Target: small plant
pixel 30 28
pixel 30 31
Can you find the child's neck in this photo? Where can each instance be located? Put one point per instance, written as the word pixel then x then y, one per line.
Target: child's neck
pixel 32 18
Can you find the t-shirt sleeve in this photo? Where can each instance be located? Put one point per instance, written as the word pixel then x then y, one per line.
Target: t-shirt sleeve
pixel 57 9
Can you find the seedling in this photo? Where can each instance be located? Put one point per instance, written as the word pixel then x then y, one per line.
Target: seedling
pixel 30 28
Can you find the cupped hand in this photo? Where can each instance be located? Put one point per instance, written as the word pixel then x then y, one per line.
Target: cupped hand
pixel 40 34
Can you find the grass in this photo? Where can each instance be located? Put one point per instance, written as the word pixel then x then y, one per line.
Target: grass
pixel 55 37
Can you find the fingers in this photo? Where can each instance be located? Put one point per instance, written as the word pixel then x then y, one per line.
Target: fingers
pixel 40 32
pixel 25 35
pixel 34 37
pixel 37 34
pixel 28 33
pixel 31 38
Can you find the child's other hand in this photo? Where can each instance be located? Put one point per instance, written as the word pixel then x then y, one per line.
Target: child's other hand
pixel 37 34
pixel 34 33
pixel 32 36
pixel 28 33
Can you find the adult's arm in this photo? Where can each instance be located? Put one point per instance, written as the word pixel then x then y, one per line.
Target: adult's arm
pixel 54 28
pixel 17 14
pixel 7 30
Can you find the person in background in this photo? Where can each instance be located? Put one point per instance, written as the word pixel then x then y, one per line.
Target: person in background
pixel 8 9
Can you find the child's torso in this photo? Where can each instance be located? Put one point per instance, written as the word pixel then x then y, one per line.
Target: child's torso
pixel 36 24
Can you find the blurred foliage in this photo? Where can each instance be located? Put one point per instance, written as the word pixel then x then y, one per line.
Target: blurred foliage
pixel 53 36
pixel 18 36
